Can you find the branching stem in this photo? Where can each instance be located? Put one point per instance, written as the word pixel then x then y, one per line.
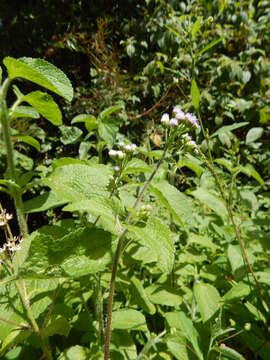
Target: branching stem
pixel 118 253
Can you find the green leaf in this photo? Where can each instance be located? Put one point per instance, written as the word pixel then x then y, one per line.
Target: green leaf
pixel 128 319
pixel 98 206
pixel 69 134
pixel 107 131
pixel 45 105
pixel 43 202
pixel 40 72
pixel 177 203
pixel 60 251
pixel 229 352
pixel 89 120
pixel 195 94
pixel 237 292
pixel 207 298
pixel 139 296
pixel 157 237
pixel 211 201
pixel 75 353
pixel 164 294
pixel 79 181
pixel 180 321
pixel 135 166
pixel 191 163
pixel 28 140
pixel 202 240
pixel 254 134
pixel 109 111
pixel 59 326
pixel 235 257
pixel 250 171
pixel 228 128
pixel 25 112
pixel 196 27
pixel 209 46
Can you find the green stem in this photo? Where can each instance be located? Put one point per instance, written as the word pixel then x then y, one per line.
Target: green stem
pixel 210 165
pixel 17 195
pixel 33 322
pixel 4 118
pixel 118 253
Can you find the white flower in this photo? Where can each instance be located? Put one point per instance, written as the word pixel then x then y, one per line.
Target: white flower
pixel 116 169
pixel 120 154
pixel 165 119
pixel 173 122
pixel 176 109
pixel 180 115
pixel 112 153
pixel 4 218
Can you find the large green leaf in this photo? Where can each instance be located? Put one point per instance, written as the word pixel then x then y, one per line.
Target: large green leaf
pixel 128 319
pixel 163 294
pixel 110 110
pixel 207 298
pixel 79 181
pixel 157 237
pixel 29 140
pixel 213 202
pixel 107 131
pixel 40 72
pixel 178 204
pixel 62 251
pixel 75 353
pixel 69 134
pixel 98 206
pixel 139 296
pixel 25 112
pixel 43 202
pixel 45 105
pixel 180 321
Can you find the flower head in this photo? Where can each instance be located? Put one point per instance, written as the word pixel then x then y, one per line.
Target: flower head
pixel 173 123
pixel 193 120
pixel 165 119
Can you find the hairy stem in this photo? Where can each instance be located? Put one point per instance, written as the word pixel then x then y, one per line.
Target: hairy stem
pixel 4 118
pixel 117 256
pixel 210 165
pixel 17 195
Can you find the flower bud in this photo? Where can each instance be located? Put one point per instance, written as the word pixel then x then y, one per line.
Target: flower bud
pixel 116 169
pixel 165 119
pixel 173 123
pixel 112 153
pixel 120 154
pixel 247 326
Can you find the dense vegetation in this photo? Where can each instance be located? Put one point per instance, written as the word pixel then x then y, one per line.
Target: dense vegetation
pixel 134 182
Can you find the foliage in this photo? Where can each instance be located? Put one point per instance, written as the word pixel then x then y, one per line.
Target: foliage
pixel 179 228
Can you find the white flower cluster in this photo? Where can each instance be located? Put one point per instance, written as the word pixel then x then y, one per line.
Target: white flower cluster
pixel 124 150
pixel 4 218
pixel 12 245
pixel 189 142
pixel 178 117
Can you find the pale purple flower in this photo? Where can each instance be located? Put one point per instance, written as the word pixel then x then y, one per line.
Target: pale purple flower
pixel 173 122
pixel 192 119
pixel 116 169
pixel 176 109
pixel 180 115
pixel 165 119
